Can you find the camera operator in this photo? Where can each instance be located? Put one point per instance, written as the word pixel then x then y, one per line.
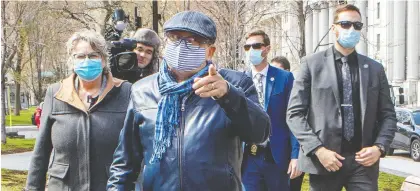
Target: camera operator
pixel 147 51
pixel 135 58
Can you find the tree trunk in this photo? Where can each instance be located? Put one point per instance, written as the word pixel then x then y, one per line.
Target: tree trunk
pixel 39 94
pixel 3 113
pixel 17 99
pixel 3 73
pixel 301 18
pixel 17 76
pixel 21 36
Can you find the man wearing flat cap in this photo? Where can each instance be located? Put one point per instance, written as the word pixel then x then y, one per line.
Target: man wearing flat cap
pixel 188 121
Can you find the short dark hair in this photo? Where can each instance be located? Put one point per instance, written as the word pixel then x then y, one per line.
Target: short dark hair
pixel 283 61
pixel 343 8
pixel 266 39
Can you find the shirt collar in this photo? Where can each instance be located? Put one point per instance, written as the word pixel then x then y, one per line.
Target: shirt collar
pixel 338 55
pixel 263 72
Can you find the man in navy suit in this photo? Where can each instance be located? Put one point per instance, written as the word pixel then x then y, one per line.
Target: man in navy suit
pixel 284 64
pixel 271 164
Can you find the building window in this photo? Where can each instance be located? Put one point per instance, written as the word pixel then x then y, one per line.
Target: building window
pixel 378 14
pixel 378 42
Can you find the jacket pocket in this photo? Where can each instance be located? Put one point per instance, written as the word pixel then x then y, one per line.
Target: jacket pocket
pixel 58 179
pixel 217 177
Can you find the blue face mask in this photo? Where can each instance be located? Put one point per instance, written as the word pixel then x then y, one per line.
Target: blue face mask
pixel 88 69
pixel 348 38
pixel 254 56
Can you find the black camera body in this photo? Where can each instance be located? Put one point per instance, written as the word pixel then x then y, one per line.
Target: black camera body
pixel 123 61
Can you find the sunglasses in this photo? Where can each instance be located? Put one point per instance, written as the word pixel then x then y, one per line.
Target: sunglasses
pixel 347 24
pixel 254 46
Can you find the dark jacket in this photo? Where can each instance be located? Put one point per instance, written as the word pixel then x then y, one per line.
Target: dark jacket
pixel 206 152
pixel 314 112
pixel 82 141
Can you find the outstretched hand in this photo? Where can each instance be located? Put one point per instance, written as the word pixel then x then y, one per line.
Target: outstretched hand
pixel 212 85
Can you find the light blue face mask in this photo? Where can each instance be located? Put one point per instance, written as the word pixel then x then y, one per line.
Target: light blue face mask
pixel 348 38
pixel 88 69
pixel 254 56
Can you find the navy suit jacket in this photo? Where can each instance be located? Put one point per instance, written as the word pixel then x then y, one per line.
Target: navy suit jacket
pixel 284 145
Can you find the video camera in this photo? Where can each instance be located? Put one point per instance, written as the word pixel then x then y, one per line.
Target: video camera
pixel 123 61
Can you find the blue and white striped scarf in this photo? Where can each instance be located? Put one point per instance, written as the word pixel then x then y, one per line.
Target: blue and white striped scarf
pixel 169 108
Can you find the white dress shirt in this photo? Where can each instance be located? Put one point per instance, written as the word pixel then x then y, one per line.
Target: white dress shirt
pixel 263 72
pixel 264 79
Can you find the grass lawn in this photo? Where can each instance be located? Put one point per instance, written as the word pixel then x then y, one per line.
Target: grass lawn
pixel 23 119
pixel 13 180
pixel 17 146
pixel 387 182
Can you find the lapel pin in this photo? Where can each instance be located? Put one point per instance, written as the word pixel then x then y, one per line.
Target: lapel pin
pixel 365 66
pixel 272 79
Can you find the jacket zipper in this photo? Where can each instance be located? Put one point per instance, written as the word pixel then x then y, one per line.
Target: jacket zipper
pixel 88 148
pixel 180 137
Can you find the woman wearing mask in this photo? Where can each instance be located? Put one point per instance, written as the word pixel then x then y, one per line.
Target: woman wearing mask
pixel 81 120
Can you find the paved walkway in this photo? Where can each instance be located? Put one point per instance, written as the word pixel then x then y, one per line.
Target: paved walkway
pixel 18 161
pixel 400 164
pixel 30 132
pixel 21 128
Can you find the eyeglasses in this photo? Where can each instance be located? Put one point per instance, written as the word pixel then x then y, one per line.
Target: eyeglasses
pixel 192 42
pixel 82 56
pixel 254 46
pixel 347 24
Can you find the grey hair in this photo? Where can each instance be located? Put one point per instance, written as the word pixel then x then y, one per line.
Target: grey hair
pixel 96 41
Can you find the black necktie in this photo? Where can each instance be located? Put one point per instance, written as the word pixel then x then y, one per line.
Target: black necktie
pixel 347 105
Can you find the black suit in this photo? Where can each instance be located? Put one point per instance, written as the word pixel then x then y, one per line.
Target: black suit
pixel 314 113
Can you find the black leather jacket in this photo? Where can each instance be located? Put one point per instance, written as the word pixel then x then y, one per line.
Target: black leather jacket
pixel 205 154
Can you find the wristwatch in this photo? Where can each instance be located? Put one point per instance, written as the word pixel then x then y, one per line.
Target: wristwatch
pixel 381 149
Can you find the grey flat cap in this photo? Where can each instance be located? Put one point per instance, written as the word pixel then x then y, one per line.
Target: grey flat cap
pixel 194 22
pixel 147 37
